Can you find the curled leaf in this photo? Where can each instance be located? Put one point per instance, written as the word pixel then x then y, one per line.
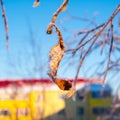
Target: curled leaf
pixel 63 84
pixel 55 56
pixel 57 52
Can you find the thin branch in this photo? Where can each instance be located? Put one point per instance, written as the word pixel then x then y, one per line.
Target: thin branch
pixel 55 15
pixel 5 23
pixel 83 58
pixel 97 35
pixel 60 9
pixel 36 3
pixel 83 38
pixel 110 50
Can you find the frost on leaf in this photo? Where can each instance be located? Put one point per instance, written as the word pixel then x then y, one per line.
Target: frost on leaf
pixel 55 56
pixel 57 52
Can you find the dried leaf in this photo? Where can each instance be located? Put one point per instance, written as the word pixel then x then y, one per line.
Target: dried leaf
pixel 57 52
pixel 55 56
pixel 36 3
pixel 63 84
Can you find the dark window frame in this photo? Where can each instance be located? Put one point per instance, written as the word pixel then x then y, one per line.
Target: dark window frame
pixel 5 112
pixel 80 111
pixel 80 96
pixel 101 110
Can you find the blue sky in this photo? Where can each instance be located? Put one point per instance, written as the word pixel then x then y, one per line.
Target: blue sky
pixel 23 18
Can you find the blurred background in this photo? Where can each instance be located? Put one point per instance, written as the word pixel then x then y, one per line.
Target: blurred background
pixel 27 93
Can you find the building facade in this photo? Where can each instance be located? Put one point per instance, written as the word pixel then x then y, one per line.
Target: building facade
pixel 92 102
pixel 41 99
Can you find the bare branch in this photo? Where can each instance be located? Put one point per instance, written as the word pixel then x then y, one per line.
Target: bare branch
pixel 99 31
pixel 55 15
pixel 110 50
pixel 5 23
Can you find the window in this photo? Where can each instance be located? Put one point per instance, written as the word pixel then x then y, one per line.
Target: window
pixel 39 98
pixel 22 112
pixel 80 110
pixel 100 111
pixel 4 112
pixel 98 94
pixel 80 95
pixel 61 112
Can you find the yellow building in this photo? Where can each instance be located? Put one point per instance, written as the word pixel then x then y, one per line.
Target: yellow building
pixel 46 103
pixel 92 103
pixel 40 105
pixel 23 110
pixel 30 100
pixel 7 110
pixel 42 99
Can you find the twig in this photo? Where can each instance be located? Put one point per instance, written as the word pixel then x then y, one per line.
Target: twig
pixel 36 3
pixel 82 59
pixel 5 23
pixel 60 9
pixel 97 35
pixel 83 38
pixel 55 15
pixel 110 50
